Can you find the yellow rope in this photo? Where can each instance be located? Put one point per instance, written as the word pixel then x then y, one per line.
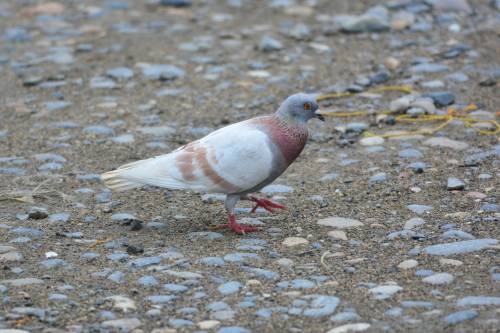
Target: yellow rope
pixel 451 114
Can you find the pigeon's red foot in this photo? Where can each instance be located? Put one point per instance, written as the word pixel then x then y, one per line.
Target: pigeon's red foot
pixel 236 227
pixel 266 204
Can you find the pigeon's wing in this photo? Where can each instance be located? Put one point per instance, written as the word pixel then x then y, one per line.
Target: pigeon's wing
pixel 230 160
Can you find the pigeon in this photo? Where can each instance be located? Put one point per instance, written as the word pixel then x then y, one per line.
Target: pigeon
pixel 236 160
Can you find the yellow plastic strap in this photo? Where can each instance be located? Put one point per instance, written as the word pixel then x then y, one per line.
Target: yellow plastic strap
pixel 452 114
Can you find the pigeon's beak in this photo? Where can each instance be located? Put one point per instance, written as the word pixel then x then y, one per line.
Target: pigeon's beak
pixel 318 115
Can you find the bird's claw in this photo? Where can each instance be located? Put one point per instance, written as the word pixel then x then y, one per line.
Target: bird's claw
pixel 236 227
pixel 266 204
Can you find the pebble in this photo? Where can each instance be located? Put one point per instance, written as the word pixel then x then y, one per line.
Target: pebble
pixel 276 188
pixel 478 300
pixel 59 217
pixel 357 327
pixel 376 19
pixel 229 288
pixel 459 317
pixel 340 222
pixel 451 262
pixel 408 264
pixel 144 262
pixel 345 316
pixel 417 304
pixel 372 141
pixel 413 223
pixel 294 241
pixel 337 234
pixel 22 282
pixel 147 281
pixel 439 278
pixel 443 142
pixel 161 72
pixel 122 303
pixel 233 329
pixel 241 257
pixel 455 184
pixel 120 73
pixel 419 209
pixel 212 261
pixel 124 325
pixel 270 44
pixel 410 153
pixel 378 178
pixel 385 291
pixel 447 249
pixel 208 324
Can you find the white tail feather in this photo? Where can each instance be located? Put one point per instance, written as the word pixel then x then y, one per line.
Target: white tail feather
pixel 117 181
pixel 151 171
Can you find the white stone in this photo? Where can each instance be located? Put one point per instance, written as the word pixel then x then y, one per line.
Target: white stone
pixel 295 241
pixel 443 142
pixel 414 222
pixel 208 324
pixel 340 222
pixel 285 262
pixel 122 325
pixel 347 328
pixel 122 303
pixel 452 262
pixel 372 141
pixel 439 278
pixel 50 254
pixel 337 234
pixel 385 291
pixel 408 264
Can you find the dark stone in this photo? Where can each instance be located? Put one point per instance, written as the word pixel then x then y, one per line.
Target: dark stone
pixel 441 98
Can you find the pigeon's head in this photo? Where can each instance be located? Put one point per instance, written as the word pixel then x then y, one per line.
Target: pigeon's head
pixel 300 107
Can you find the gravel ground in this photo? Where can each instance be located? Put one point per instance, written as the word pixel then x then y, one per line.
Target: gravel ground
pixel 394 234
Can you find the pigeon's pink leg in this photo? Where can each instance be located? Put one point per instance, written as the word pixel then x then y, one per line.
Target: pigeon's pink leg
pixel 231 201
pixel 265 203
pixel 236 227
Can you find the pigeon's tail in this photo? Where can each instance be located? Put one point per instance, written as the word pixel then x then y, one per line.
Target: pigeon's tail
pixel 125 177
pixel 117 180
pixel 152 171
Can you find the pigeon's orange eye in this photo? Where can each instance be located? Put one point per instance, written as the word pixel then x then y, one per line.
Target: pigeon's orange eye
pixel 307 106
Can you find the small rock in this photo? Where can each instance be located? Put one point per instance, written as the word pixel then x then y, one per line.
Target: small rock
pixel 413 223
pixel 208 324
pixel 467 246
pixel 337 234
pixel 478 300
pixel 124 325
pixel 443 142
pixel 348 328
pixel 419 209
pixel 229 288
pixel 270 44
pixel 439 278
pixel 455 184
pixel 372 141
pixel 122 303
pixel 452 262
pixel 460 316
pixel 385 291
pixel 295 241
pixel 340 222
pixel 408 264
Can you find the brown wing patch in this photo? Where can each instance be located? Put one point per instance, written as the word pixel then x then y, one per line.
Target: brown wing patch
pixel 185 162
pixel 201 158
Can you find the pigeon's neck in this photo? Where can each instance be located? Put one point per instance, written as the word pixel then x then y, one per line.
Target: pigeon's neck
pixel 289 136
pixel 284 115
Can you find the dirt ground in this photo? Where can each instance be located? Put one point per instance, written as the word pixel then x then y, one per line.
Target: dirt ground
pixel 217 47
